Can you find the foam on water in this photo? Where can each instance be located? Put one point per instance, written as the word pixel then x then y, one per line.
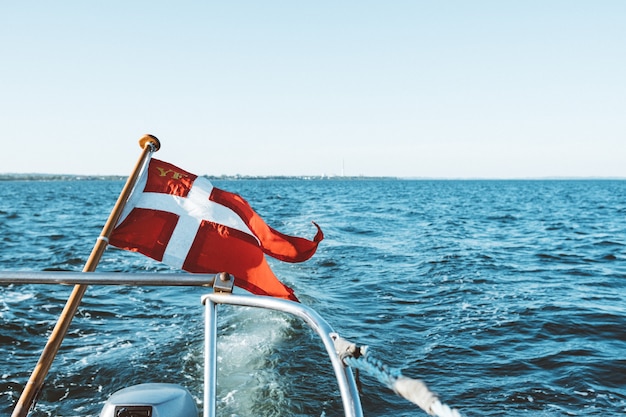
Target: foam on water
pixel 246 356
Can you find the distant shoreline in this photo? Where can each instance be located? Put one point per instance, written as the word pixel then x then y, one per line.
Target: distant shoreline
pixel 68 177
pixel 59 177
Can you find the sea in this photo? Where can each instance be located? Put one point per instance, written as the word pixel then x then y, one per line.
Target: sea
pixel 507 298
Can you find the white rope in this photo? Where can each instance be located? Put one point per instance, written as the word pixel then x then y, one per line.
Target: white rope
pixel 413 390
pixel 442 410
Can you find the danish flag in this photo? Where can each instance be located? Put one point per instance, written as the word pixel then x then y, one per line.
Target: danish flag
pixel 182 220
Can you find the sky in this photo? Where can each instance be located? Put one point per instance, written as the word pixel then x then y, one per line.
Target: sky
pixel 407 88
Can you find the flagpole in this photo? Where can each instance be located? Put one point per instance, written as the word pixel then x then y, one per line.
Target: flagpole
pixel 149 144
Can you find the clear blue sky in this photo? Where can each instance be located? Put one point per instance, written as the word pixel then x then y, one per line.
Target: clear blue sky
pixel 491 89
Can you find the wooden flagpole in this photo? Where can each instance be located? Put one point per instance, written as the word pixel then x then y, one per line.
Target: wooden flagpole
pixel 149 144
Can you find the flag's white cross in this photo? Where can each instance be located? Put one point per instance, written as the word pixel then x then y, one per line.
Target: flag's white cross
pixel 191 211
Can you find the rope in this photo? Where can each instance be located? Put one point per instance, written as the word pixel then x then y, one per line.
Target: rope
pixel 413 390
pixel 104 239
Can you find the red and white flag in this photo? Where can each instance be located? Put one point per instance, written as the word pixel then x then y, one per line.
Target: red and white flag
pixel 180 219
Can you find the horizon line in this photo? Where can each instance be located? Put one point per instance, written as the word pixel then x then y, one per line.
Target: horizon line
pixel 44 176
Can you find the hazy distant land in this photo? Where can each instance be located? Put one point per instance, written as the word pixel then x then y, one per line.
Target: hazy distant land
pixel 69 177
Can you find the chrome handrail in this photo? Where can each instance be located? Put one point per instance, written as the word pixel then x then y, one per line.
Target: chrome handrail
pixel 106 278
pixel 347 385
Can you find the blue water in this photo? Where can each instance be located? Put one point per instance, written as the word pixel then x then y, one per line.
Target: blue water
pixel 506 297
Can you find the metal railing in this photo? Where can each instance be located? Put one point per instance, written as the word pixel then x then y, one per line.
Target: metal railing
pixel 105 278
pixel 222 285
pixel 347 385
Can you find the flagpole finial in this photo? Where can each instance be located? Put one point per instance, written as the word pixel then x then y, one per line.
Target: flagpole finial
pixel 150 140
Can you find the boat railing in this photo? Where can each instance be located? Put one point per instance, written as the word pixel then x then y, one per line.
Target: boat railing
pixel 222 295
pixel 222 286
pixel 158 279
